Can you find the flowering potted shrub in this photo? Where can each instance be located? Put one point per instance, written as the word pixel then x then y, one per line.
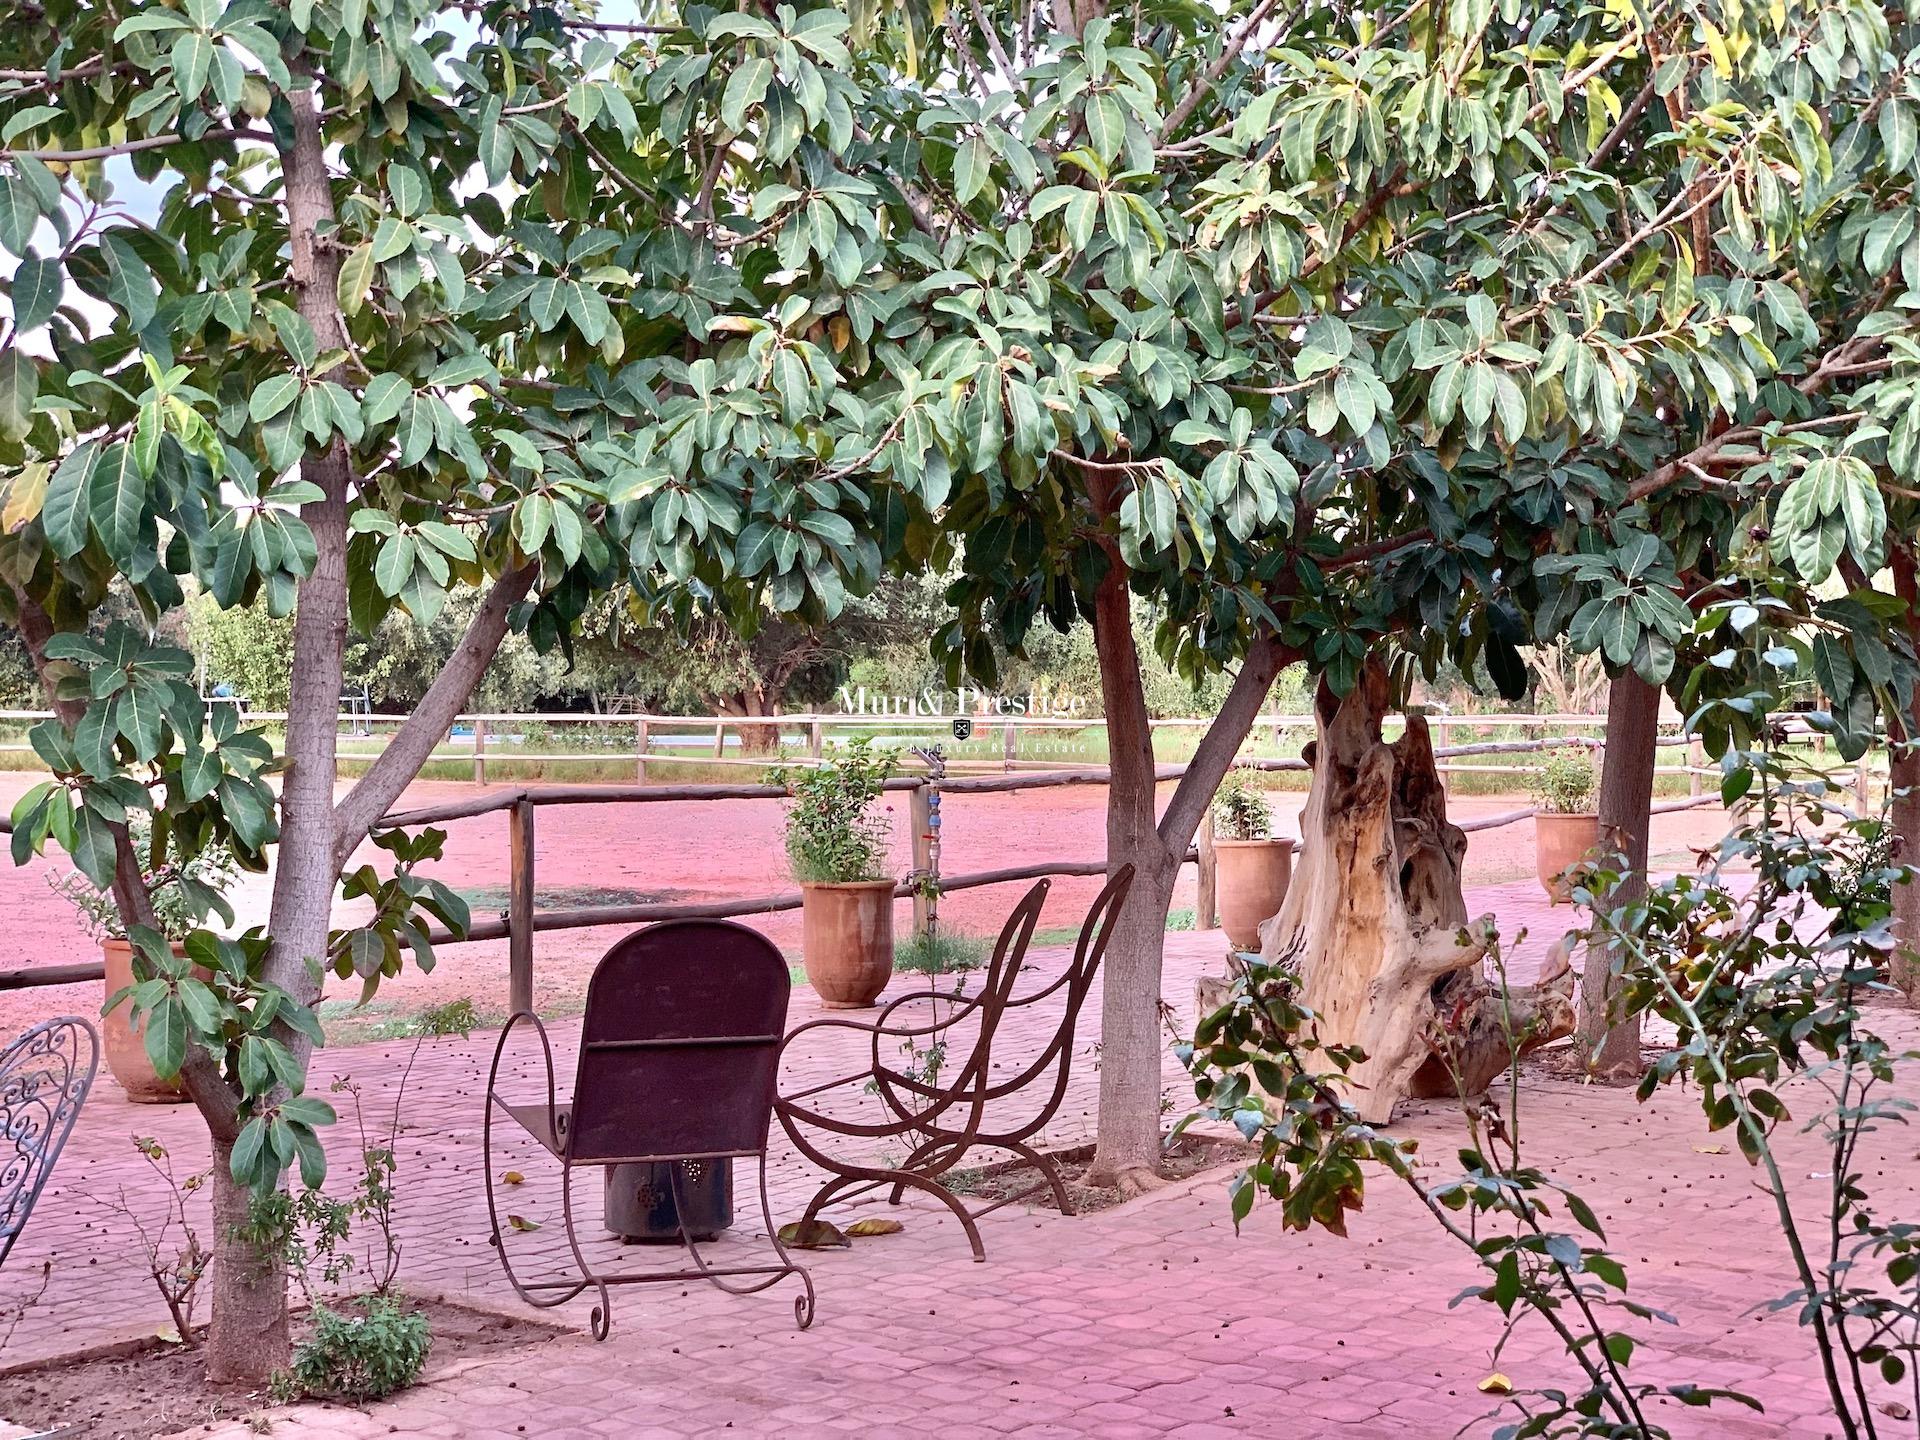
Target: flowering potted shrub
pixel 1251 865
pixel 180 894
pixel 1565 827
pixel 837 847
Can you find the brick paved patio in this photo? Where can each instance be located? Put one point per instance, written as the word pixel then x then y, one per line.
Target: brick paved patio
pixel 1152 1318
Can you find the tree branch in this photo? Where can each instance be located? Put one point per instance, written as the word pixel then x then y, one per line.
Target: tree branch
pixel 1237 42
pixel 1266 657
pixel 129 147
pixel 400 762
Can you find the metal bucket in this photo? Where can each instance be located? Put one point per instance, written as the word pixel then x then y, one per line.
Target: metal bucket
pixel 639 1207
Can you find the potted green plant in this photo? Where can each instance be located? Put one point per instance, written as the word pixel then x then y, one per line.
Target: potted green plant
pixel 1251 865
pixel 837 846
pixel 180 893
pixel 1565 828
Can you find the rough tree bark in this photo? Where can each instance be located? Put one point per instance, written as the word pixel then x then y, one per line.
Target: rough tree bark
pixel 1375 922
pixel 1610 1041
pixel 1904 780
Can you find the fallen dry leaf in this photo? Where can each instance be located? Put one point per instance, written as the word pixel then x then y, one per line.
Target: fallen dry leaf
pixel 814 1235
pixel 1896 1410
pixel 169 1333
pixel 861 1229
pixel 520 1222
pixel 1496 1384
pixel 512 1177
pixel 1710 1149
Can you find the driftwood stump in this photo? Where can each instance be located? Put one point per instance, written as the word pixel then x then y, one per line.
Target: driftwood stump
pixel 1375 924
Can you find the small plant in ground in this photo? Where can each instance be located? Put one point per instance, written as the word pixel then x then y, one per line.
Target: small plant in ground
pixel 458 1016
pixel 831 836
pixel 177 1266
pixel 1179 920
pixel 1240 808
pixel 1565 782
pixel 941 953
pixel 367 1349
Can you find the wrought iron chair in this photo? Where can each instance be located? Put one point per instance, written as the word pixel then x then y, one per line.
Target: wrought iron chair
pixel 945 1146
pixel 921 1104
pixel 44 1079
pixel 679 1048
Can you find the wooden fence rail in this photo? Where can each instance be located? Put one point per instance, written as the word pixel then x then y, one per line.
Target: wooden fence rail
pixel 522 919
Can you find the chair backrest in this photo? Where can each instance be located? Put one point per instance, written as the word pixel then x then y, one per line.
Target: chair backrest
pixel 679 1045
pixel 965 1066
pixel 44 1079
pixel 1076 981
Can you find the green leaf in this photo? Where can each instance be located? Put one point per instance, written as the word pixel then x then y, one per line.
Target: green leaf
pixel 19 387
pixel 36 291
pixel 746 87
pixel 116 499
pixel 271 396
pixel 130 284
pixel 19 214
pixel 64 513
pixel 356 278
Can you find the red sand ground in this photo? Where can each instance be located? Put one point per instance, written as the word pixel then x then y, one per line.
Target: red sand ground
pixel 707 850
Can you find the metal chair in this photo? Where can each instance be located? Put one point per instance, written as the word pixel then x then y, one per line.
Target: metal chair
pixel 679 1048
pixel 921 1106
pixel 945 1146
pixel 44 1079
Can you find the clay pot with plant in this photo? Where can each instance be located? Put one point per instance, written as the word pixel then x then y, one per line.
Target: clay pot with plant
pixel 1251 865
pixel 1566 828
pixel 837 847
pixel 181 894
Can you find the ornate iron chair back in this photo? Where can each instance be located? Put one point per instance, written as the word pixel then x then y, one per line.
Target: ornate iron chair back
pixel 44 1079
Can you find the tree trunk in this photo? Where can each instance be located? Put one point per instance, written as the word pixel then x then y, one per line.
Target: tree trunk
pixel 249 1287
pixel 247 1333
pixel 1904 969
pixel 1375 921
pixel 1128 1152
pixel 1612 1042
pixel 759 739
pixel 1903 781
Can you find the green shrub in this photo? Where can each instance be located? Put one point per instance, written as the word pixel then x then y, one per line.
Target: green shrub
pixel 945 952
pixel 1565 782
pixel 831 837
pixel 362 1356
pixel 1240 807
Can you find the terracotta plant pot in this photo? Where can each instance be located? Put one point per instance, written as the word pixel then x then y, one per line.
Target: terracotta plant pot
pixel 1250 879
pixel 125 1045
pixel 846 941
pixel 1559 843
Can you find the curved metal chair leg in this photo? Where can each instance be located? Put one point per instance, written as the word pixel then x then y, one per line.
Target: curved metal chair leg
pixel 921 1160
pixel 494 1236
pixel 601 1320
pixel 802 1304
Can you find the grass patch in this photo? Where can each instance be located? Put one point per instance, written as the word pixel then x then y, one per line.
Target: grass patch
pixel 1180 920
pixel 939 954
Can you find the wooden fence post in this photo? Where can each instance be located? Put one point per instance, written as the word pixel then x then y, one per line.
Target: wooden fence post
pixel 1696 762
pixel 719 739
pixel 641 738
pixel 479 751
pixel 921 811
pixel 1206 912
pixel 1010 746
pixel 816 740
pixel 520 908
pixel 1863 782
